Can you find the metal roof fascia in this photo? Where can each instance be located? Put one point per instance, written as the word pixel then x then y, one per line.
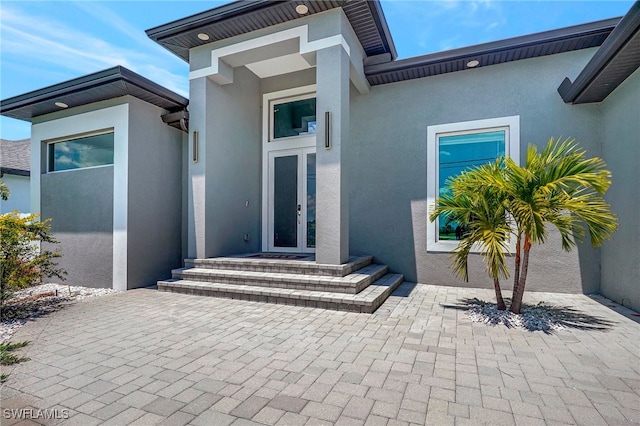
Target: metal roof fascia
pixel 494 46
pixel 100 78
pixel 381 23
pixel 626 28
pixel 220 13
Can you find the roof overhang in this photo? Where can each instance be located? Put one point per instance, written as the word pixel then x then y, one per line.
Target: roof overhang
pixel 100 86
pixel 617 59
pixel 244 16
pixel 529 46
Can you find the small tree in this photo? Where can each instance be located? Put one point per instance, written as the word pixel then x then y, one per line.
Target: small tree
pixel 558 185
pixel 22 263
pixel 481 211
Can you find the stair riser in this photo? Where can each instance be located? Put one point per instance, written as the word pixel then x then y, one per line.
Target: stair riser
pixel 348 288
pixel 278 267
pixel 336 306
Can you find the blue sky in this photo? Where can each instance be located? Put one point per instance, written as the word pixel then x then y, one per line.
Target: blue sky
pixel 47 42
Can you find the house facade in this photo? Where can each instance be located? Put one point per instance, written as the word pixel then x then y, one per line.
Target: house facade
pixel 15 171
pixel 304 134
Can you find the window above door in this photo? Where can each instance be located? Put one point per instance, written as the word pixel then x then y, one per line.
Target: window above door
pixel 292 117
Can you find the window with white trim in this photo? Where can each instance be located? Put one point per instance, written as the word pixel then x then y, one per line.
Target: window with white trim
pixel 291 117
pixel 79 153
pixel 454 147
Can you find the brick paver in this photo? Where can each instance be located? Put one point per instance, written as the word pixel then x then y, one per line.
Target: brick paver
pixel 145 357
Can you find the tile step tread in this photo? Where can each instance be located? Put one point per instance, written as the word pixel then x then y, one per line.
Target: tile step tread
pixel 352 279
pixel 367 297
pixel 301 266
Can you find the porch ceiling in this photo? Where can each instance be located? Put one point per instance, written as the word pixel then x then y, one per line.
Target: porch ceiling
pixel 240 17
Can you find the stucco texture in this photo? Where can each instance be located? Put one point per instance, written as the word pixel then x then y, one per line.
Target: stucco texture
pixel 388 163
pixel 621 151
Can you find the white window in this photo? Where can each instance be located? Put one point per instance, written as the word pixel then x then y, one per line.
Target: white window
pixel 291 117
pixel 451 148
pixel 81 152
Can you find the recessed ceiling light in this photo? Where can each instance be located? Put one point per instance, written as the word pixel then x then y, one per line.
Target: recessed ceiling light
pixel 61 105
pixel 473 63
pixel 302 9
pixel 203 36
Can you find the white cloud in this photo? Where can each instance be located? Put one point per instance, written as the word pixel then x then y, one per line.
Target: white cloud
pixel 49 42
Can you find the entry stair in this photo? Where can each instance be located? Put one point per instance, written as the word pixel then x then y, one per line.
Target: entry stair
pixel 356 286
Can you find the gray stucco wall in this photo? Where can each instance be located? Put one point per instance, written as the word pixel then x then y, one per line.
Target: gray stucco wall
pixel 233 162
pixel 388 163
pixel 80 202
pixel 621 151
pixel 154 217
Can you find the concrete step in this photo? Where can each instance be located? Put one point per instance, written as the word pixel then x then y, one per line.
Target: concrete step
pixel 352 283
pixel 368 300
pixel 305 264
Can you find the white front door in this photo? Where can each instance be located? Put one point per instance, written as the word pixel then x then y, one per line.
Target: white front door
pixel 292 200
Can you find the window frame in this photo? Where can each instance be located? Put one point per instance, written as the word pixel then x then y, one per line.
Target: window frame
pixel 278 101
pixel 51 142
pixel 511 126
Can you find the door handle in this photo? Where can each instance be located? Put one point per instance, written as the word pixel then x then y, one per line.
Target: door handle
pixel 299 209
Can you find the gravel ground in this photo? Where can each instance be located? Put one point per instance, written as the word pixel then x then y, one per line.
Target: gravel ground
pixel 40 300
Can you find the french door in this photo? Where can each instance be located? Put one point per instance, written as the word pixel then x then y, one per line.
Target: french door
pixel 292 200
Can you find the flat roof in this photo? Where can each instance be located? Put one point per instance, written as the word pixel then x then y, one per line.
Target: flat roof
pixel 103 85
pixel 244 16
pixel 617 59
pixel 512 49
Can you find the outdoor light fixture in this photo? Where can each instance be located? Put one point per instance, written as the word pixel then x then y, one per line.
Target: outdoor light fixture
pixel 195 146
pixel 203 36
pixel 472 64
pixel 302 9
pixel 327 130
pixel 61 105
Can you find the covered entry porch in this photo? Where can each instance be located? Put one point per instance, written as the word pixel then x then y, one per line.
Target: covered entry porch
pixel 269 120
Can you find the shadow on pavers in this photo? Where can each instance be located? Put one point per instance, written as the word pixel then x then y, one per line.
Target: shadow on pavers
pixel 404 289
pixel 539 317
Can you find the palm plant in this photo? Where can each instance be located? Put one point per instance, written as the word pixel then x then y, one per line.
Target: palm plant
pixel 557 186
pixel 561 187
pixel 481 210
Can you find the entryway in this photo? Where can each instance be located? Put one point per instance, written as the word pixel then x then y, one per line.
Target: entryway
pixel 292 200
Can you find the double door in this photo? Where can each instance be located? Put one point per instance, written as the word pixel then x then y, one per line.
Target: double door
pixel 292 200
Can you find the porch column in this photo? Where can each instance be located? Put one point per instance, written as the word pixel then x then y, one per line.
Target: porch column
pixel 198 111
pixel 332 186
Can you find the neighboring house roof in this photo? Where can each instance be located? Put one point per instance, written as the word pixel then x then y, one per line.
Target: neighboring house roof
pixel 524 47
pixel 15 157
pixel 244 16
pixel 617 59
pixel 108 84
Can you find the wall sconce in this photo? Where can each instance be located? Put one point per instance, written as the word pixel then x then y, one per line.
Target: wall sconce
pixel 195 146
pixel 327 130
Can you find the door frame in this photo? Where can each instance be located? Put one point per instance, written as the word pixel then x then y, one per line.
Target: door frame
pixel 302 154
pixel 269 146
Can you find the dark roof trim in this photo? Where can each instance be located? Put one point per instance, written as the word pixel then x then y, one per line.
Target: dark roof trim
pixel 88 89
pixel 514 47
pixel 244 16
pixel 16 172
pixel 383 28
pixel 208 17
pixel 624 32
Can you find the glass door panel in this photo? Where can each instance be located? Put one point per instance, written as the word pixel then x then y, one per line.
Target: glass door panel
pixel 285 201
pixel 311 201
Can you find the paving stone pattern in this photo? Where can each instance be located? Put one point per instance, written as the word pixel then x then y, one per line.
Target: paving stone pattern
pixel 146 357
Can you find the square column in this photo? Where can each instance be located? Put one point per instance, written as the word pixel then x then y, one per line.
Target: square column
pixel 332 196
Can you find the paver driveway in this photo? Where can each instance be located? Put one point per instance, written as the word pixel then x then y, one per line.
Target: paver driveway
pixel 145 357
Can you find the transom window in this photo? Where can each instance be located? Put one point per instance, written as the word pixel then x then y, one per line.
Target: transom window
pixel 452 148
pixel 293 117
pixel 89 151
